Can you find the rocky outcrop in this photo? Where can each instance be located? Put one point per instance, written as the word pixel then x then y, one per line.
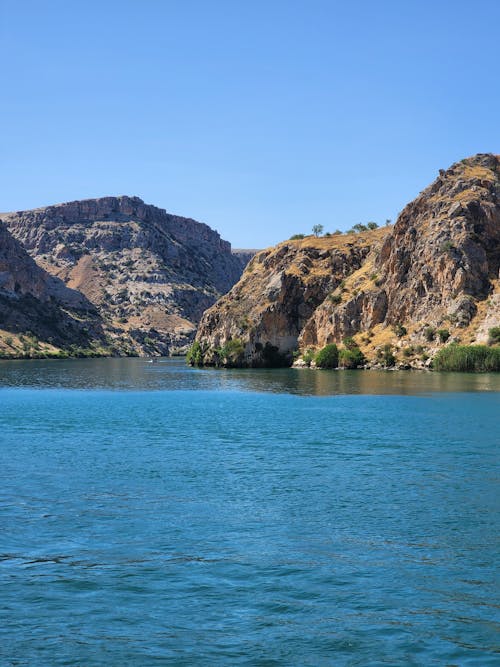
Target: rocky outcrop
pixel 149 274
pixel 445 248
pixel 438 267
pixel 36 303
pixel 280 291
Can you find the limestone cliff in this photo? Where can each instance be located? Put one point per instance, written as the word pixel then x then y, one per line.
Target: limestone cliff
pixel 149 274
pixel 35 305
pixel 278 294
pixel 437 269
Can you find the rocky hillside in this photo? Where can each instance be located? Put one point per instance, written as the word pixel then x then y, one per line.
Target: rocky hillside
pixel 430 279
pixel 278 294
pixel 38 312
pixel 149 274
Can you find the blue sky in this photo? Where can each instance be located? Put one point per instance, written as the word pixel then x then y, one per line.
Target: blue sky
pixel 259 118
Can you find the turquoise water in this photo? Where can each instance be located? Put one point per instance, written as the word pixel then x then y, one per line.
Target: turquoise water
pixel 159 515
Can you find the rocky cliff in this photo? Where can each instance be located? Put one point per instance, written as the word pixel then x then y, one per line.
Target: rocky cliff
pixel 432 278
pixel 149 274
pixel 36 306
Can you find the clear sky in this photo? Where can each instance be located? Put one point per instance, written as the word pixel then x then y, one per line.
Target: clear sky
pixel 259 117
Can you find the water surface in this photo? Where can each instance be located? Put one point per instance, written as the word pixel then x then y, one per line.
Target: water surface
pixel 154 514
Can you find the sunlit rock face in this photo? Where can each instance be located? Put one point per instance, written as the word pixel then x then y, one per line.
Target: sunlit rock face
pixel 438 266
pixel 149 274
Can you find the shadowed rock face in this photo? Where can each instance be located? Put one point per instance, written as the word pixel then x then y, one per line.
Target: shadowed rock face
pixel 33 300
pixel 149 274
pixel 438 266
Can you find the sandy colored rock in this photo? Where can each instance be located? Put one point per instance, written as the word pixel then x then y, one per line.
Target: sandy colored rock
pixel 436 269
pixel 149 274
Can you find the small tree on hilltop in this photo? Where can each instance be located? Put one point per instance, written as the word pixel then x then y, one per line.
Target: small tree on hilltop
pixel 317 230
pixel 359 227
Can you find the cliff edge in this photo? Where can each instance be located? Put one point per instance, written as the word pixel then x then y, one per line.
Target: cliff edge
pixel 431 279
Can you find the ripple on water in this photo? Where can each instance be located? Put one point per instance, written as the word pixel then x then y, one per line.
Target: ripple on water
pixel 288 518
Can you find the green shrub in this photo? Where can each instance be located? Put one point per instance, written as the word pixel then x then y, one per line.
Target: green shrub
pixel 194 357
pixel 447 246
pixel 349 343
pixel 493 339
pixel 335 298
pixel 308 357
pixel 372 225
pixel 443 335
pixel 352 358
pixel 297 237
pixel 328 357
pixel 386 356
pixel 400 330
pixel 429 333
pixel 232 352
pixel 467 358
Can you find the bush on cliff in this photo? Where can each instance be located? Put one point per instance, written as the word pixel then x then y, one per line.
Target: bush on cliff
pixel 429 333
pixel 350 343
pixel 232 353
pixel 494 336
pixel 443 335
pixel 328 357
pixel 386 357
pixel 467 358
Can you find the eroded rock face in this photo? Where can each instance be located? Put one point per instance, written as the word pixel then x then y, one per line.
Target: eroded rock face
pixel 278 295
pixel 445 246
pixel 437 267
pixel 330 324
pixel 33 300
pixel 150 274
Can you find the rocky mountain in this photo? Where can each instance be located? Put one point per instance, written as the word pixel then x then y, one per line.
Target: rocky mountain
pixel 432 278
pixel 35 305
pixel 150 275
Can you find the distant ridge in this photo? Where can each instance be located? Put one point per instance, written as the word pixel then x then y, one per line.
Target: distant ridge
pixel 148 274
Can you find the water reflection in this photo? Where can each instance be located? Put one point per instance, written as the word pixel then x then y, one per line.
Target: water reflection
pixel 173 374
